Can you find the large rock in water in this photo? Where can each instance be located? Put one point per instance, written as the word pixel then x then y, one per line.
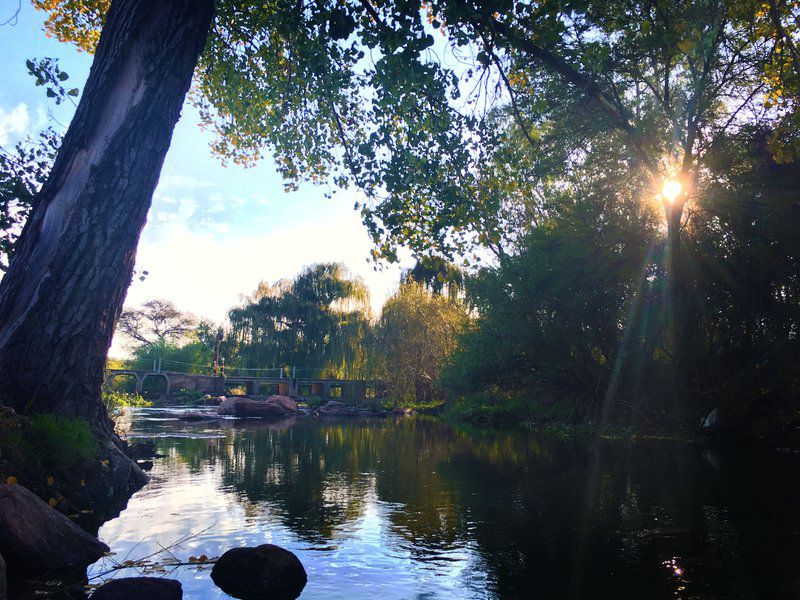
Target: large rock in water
pixel 274 407
pixel 36 539
pixel 139 588
pixel 264 572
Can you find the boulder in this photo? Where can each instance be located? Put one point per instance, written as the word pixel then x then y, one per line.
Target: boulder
pixel 274 407
pixel 198 416
pixel 265 571
pixel 137 588
pixel 333 404
pixel 259 409
pixel 36 539
pixel 2 579
pixel 226 407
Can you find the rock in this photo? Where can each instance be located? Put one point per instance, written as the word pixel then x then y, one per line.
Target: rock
pixel 265 571
pixel 274 407
pixel 137 588
pixel 2 579
pixel 141 450
pixel 226 407
pixel 258 409
pixel 399 411
pixel 333 404
pixel 36 539
pixel 198 416
pixel 213 400
pixel 287 403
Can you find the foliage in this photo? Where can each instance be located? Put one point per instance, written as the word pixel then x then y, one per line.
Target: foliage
pixel 582 312
pixel 417 331
pixel 319 321
pixel 156 323
pixel 115 400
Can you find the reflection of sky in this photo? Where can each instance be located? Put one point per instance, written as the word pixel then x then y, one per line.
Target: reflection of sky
pixel 365 556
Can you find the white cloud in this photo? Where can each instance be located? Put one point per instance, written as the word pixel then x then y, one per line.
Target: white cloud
pixel 13 122
pixel 206 274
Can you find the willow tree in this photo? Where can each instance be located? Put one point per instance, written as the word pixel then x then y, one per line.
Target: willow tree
pixel 320 320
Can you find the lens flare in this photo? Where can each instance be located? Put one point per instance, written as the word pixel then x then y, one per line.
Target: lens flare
pixel 671 189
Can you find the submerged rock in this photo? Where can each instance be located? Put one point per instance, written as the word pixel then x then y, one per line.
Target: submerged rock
pixel 139 588
pixel 264 572
pixel 198 416
pixel 36 539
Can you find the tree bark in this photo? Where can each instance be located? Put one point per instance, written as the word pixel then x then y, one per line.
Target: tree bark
pixel 679 304
pixel 65 286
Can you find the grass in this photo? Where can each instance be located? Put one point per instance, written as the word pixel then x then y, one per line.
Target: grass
pixel 44 448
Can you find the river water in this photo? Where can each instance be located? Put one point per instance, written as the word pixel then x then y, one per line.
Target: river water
pixel 415 508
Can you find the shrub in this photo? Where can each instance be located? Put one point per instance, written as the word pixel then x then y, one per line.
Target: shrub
pixel 116 400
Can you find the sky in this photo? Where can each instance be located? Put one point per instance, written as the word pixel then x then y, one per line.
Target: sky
pixel 214 231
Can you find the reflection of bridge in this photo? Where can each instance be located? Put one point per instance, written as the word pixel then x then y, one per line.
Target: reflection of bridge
pixel 253 385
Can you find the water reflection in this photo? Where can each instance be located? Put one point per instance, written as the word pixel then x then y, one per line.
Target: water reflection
pixel 418 509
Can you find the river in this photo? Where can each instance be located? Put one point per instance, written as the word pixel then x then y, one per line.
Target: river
pixel 415 508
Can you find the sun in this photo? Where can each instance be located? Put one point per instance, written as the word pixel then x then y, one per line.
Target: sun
pixel 671 189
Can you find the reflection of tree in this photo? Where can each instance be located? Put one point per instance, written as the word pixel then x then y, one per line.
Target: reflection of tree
pixel 558 517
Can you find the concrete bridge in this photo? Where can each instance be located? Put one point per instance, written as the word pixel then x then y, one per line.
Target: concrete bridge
pixel 352 389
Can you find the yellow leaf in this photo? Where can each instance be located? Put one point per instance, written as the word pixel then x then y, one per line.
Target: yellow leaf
pixel 11 480
pixel 53 502
pixel 50 480
pixel 105 461
pixel 686 46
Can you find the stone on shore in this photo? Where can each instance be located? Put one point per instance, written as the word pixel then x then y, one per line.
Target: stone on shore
pixel 265 571
pixel 139 588
pixel 37 540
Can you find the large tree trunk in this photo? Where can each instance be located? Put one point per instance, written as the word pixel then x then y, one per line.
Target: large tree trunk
pixel 64 289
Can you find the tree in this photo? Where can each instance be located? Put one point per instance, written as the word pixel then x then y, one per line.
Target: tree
pixel 64 288
pixel 417 332
pixel 318 321
pixel 660 80
pixel 156 323
pixel 24 168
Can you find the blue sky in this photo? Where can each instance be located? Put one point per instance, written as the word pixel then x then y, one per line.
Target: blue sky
pixel 213 231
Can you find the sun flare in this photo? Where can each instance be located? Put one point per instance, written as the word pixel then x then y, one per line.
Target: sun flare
pixel 671 189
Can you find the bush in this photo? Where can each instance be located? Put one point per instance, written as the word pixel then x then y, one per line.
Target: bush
pixel 116 400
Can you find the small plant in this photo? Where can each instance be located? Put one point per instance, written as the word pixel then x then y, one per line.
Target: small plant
pixel 116 400
pixel 59 444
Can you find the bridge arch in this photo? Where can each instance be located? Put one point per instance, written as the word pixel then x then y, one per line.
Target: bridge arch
pixel 163 376
pixel 137 378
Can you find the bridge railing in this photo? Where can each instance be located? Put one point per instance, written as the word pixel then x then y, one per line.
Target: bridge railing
pixel 159 365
